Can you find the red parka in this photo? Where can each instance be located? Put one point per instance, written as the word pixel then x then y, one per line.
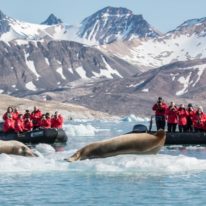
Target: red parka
pixel 199 120
pixel 5 116
pixel 57 122
pixel 160 109
pixel 182 116
pixel 19 125
pixel 8 125
pixel 45 123
pixel 36 117
pixel 171 115
pixel 15 115
pixel 28 125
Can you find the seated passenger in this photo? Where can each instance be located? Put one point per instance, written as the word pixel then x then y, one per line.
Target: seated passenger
pixel 45 122
pixel 19 124
pixel 182 118
pixel 191 113
pixel 9 111
pixel 28 125
pixel 26 114
pixel 171 113
pixel 15 113
pixel 57 120
pixel 8 125
pixel 199 120
pixel 160 111
pixel 36 117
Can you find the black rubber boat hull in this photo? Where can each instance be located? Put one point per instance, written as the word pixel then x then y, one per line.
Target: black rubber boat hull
pixel 48 136
pixel 177 138
pixel 186 138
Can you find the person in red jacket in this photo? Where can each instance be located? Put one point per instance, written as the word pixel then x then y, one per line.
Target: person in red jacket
pixel 199 120
pixel 15 113
pixel 8 125
pixel 36 117
pixel 171 113
pixel 191 113
pixel 57 120
pixel 26 114
pixel 45 121
pixel 28 125
pixel 9 111
pixel 19 124
pixel 182 118
pixel 160 112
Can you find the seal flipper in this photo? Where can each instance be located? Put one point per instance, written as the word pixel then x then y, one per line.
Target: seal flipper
pixel 76 156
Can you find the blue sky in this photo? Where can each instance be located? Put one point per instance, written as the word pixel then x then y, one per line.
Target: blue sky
pixel 164 15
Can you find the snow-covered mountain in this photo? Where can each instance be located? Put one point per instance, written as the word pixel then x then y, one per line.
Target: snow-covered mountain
pixel 104 26
pixel 186 42
pixel 38 66
pixel 111 24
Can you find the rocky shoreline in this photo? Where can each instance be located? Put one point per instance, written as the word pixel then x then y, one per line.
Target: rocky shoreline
pixel 69 111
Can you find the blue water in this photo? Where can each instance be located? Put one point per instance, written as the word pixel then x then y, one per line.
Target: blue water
pixel 176 176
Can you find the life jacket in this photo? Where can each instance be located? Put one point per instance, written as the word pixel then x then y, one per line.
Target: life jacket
pixel 28 125
pixel 160 110
pixel 171 115
pixel 8 125
pixel 19 125
pixel 57 122
pixel 182 116
pixel 199 120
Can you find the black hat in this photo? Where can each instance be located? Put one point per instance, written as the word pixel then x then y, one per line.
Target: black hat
pixel 159 98
pixel 189 105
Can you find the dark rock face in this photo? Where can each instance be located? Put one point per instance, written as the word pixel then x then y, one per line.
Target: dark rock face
pixel 4 24
pixel 35 67
pixel 110 24
pixel 52 20
pixel 182 82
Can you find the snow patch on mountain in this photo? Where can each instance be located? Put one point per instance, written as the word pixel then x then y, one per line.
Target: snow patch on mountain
pixel 30 86
pixel 60 71
pixel 31 66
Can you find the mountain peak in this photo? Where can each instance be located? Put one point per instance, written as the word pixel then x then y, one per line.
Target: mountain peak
pixel 115 11
pixel 52 20
pixel 2 15
pixel 115 23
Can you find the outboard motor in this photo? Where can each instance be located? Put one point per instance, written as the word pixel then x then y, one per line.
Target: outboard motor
pixel 139 128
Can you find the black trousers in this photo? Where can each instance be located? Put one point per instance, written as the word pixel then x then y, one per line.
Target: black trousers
pixel 182 128
pixel 198 130
pixel 171 127
pixel 160 122
pixel 190 128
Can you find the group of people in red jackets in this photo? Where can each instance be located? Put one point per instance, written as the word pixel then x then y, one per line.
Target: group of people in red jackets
pixel 188 119
pixel 17 122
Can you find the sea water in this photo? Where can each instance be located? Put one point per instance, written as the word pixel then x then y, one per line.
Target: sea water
pixel 175 176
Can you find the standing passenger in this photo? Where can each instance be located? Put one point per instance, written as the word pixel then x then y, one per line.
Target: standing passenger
pixel 36 117
pixel 160 111
pixel 171 117
pixel 199 120
pixel 182 118
pixel 191 113
pixel 57 120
